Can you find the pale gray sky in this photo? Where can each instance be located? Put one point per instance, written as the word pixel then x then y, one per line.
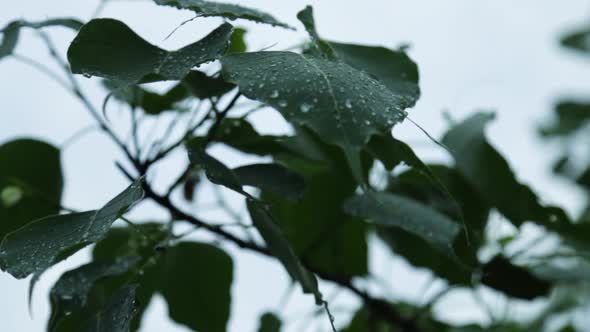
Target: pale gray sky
pixel 498 55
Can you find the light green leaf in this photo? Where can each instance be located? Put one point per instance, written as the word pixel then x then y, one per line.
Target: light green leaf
pixel 27 191
pixel 108 48
pixel 392 210
pixel 274 179
pixel 237 41
pixel 196 282
pixel 230 11
pixel 39 244
pixel 11 31
pixel 269 322
pixel 117 314
pixel 71 291
pixel 280 248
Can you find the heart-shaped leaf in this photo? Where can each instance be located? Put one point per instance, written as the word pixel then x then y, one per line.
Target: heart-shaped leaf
pixel 230 11
pixel 108 48
pixel 205 273
pixel 39 244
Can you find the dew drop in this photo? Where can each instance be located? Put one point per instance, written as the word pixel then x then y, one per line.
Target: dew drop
pixel 274 94
pixel 348 104
pixel 283 103
pixel 305 108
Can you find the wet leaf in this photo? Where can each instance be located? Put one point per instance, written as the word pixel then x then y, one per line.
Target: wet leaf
pixel 117 314
pixel 110 49
pixel 230 11
pixel 71 291
pixel 392 210
pixel 38 245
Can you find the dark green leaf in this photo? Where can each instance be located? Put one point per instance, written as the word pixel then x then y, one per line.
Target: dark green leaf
pixel 513 280
pixel 239 134
pixel 490 175
pixel 273 178
pixel 38 245
pixel 108 48
pixel 117 314
pixel 195 84
pixel 27 191
pixel 341 104
pixel 215 170
pixel 71 291
pixel 387 209
pixel 571 116
pixel 280 248
pixel 392 68
pixel 318 46
pixel 230 11
pixel 145 240
pixel 11 31
pixel 196 283
pixel 269 322
pixel 322 235
pixel 578 40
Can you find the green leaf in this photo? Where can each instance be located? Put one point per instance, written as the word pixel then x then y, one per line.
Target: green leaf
pixel 146 240
pixel 108 48
pixel 215 170
pixel 117 314
pixel 341 104
pixel 490 175
pixel 195 84
pixel 280 248
pixel 387 209
pixel 322 235
pixel 229 11
pixel 571 116
pixel 318 46
pixel 196 282
pixel 237 41
pixel 39 244
pixel 269 322
pixel 273 178
pixel 71 291
pixel 513 280
pixel 27 191
pixel 578 40
pixel 240 135
pixel 10 32
pixel 392 68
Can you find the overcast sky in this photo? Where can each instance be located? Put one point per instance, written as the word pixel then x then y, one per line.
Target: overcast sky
pixel 499 55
